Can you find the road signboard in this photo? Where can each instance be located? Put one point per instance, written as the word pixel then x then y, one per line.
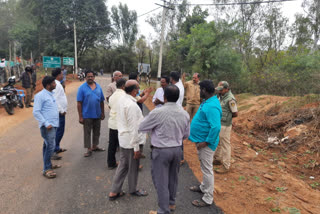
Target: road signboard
pixel 68 61
pixel 143 68
pixel 51 62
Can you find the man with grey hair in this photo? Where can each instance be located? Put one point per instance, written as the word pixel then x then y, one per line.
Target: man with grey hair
pixel 111 88
pixel 129 117
pixel 229 110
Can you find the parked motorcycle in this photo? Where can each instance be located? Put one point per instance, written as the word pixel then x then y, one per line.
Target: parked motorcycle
pixel 11 97
pixel 81 76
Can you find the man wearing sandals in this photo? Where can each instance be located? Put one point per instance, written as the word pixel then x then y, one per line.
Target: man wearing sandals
pixel 61 99
pixel 90 106
pixel 204 131
pixel 169 126
pixel 129 116
pixel 46 113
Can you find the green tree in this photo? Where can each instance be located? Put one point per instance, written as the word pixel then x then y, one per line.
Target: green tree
pixel 301 32
pixel 210 54
pixel 312 9
pixel 125 22
pixel 141 48
pixel 54 24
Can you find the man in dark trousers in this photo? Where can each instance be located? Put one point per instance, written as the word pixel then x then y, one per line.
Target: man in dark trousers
pixel 169 126
pixel 112 123
pixel 28 79
pixel 90 100
pixel 62 102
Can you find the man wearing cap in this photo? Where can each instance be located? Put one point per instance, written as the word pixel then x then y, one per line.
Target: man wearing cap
pixel 192 93
pixel 229 110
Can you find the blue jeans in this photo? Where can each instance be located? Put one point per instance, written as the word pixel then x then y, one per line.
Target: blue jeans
pixel 49 137
pixel 60 131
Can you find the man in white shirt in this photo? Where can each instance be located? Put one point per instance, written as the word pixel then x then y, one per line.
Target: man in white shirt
pixel 158 97
pixel 175 80
pixel 62 102
pixel 129 116
pixel 112 123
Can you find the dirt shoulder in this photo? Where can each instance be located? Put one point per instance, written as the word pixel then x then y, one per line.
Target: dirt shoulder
pixel 20 115
pixel 281 176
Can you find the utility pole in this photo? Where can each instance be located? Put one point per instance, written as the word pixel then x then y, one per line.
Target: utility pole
pixel 9 50
pixel 75 49
pixel 161 41
pixel 14 58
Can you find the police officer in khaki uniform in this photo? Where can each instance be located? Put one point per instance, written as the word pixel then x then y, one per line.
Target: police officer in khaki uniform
pixel 192 92
pixel 229 110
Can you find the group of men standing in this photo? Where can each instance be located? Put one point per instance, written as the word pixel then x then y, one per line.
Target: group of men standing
pixel 169 124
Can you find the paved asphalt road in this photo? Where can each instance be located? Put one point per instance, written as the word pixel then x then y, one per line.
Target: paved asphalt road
pixel 82 184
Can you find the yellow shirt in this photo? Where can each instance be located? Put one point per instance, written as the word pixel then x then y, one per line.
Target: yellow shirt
pixel 192 92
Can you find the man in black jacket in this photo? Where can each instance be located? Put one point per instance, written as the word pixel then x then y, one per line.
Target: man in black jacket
pixel 28 79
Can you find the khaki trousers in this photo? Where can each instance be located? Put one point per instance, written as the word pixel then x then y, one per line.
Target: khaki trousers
pixel 223 152
pixel 192 109
pixel 29 95
pixel 207 184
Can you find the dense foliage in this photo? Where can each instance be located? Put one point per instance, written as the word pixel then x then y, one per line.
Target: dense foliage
pixel 252 46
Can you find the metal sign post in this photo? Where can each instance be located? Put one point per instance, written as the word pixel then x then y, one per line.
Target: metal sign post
pixel 51 62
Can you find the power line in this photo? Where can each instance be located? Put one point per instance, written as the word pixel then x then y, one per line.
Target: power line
pixel 237 3
pixel 149 12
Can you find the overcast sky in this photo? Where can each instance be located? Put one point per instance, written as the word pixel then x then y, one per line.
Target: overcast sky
pixel 144 6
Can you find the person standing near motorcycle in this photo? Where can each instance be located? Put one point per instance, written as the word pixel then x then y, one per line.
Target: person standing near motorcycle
pixel 29 79
pixel 46 113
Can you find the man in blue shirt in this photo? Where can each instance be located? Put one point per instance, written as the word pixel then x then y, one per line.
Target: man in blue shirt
pixel 45 110
pixel 204 131
pixel 90 105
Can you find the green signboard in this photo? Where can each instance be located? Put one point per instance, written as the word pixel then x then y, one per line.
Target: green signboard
pixel 51 62
pixel 68 61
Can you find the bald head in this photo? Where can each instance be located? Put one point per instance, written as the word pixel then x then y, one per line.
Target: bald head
pixel 132 87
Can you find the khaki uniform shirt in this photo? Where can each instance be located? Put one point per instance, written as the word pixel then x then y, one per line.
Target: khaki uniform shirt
pixel 192 92
pixel 111 88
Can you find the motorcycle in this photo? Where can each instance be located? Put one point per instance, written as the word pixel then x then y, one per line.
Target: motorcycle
pixel 11 97
pixel 81 76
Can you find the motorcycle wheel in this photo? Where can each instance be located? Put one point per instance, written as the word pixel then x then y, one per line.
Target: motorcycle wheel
pixel 9 108
pixel 20 104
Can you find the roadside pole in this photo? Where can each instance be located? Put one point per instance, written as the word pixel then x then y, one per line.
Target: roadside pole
pixel 161 41
pixel 75 49
pixel 161 47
